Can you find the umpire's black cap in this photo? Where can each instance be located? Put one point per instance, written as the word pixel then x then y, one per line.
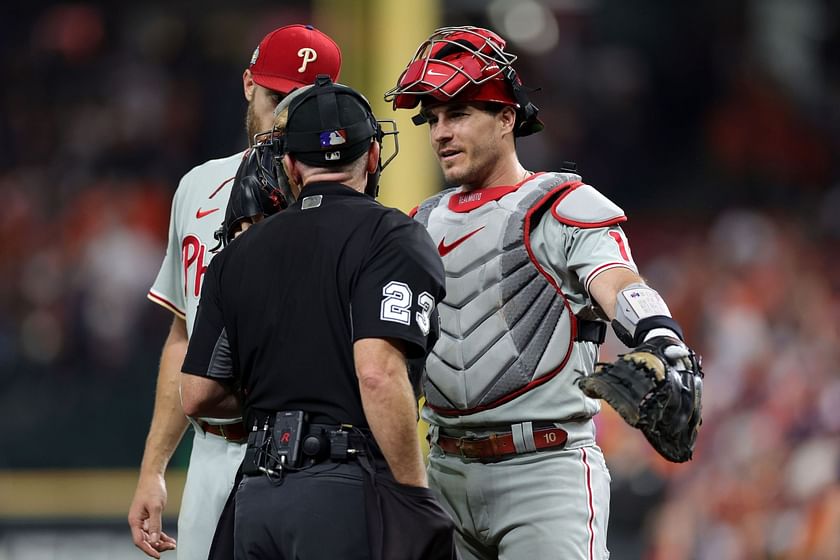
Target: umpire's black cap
pixel 331 124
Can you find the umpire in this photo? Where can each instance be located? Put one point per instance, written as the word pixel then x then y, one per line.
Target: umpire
pixel 307 322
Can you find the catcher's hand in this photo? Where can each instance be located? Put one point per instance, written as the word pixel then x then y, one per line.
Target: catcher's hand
pixel 656 388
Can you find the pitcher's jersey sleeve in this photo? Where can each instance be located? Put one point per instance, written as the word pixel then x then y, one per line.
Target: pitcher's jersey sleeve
pixel 168 288
pixel 399 287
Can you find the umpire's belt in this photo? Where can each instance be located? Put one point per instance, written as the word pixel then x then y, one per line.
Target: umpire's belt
pixel 502 445
pixel 235 433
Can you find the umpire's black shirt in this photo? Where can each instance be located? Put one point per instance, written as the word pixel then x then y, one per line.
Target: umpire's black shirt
pixel 282 305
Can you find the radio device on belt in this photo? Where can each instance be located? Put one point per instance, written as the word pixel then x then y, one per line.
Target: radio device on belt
pixel 292 443
pixel 288 425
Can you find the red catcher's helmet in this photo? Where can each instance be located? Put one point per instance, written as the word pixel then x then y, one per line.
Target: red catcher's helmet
pixel 465 64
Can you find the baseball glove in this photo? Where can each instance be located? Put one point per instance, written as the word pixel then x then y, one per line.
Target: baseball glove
pixel 656 388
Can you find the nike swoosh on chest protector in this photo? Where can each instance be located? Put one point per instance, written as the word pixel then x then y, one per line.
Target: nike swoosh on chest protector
pixel 444 249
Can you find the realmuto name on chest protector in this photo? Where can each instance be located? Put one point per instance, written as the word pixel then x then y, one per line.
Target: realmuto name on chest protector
pixel 505 328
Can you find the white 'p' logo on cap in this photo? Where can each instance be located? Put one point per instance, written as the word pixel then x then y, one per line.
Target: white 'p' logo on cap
pixel 308 55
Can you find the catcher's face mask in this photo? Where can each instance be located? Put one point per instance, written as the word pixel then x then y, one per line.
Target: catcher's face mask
pixel 465 64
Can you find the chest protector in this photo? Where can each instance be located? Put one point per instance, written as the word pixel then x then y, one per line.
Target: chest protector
pixel 505 327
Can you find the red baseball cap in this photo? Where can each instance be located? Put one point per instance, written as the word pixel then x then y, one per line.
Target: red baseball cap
pixel 291 57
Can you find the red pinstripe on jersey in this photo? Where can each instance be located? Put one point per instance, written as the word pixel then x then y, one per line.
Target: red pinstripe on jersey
pixel 590 504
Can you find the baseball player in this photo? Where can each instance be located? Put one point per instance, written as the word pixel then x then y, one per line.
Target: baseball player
pixel 286 58
pixel 534 262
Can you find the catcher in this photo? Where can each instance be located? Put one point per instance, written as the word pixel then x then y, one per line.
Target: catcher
pixel 534 262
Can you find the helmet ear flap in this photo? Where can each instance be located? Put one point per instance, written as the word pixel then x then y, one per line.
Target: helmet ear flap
pixel 527 121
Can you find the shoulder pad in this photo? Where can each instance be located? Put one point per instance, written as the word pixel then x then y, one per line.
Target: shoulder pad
pixel 583 206
pixel 425 208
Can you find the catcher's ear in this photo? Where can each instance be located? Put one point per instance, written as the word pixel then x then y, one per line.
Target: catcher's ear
pixel 507 119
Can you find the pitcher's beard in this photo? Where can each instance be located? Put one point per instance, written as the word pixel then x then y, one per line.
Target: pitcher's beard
pixel 251 123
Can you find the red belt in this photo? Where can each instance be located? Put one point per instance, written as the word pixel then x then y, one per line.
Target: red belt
pixel 235 433
pixel 496 446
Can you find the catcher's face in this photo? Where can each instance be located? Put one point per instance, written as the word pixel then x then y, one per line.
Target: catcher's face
pixel 469 143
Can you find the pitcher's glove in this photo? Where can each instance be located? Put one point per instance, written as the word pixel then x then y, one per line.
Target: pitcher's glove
pixel 656 388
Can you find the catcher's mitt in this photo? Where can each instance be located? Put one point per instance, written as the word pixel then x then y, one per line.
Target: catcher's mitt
pixel 656 388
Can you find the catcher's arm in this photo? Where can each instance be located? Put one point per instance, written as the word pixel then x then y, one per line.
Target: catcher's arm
pixel 657 387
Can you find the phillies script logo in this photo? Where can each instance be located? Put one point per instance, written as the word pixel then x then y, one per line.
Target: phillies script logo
pixel 192 253
pixel 308 55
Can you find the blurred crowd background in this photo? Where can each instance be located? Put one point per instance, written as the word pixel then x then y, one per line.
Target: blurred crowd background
pixel 715 125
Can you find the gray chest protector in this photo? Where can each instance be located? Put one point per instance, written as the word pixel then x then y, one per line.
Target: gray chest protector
pixel 505 326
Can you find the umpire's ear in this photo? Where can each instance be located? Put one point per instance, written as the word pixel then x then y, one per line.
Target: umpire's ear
pixel 293 173
pixel 373 157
